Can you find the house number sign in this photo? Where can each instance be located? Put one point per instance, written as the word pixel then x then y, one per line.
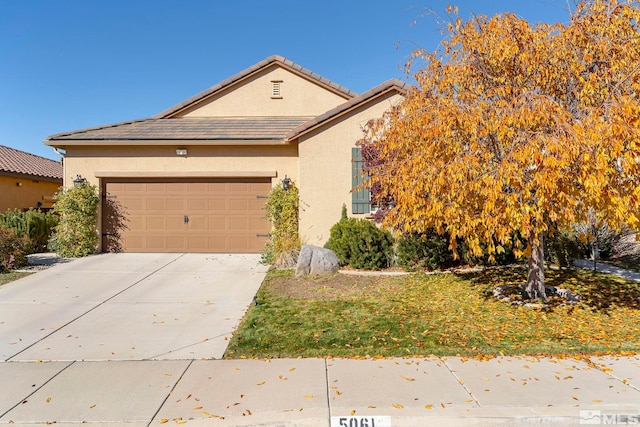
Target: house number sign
pixel 360 421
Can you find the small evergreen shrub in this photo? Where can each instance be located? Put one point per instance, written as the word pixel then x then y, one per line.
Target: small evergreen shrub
pixel 34 224
pixel 13 249
pixel 360 244
pixel 281 210
pixel 75 234
pixel 424 251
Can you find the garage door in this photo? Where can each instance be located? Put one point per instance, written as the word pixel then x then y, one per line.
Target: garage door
pixel 216 215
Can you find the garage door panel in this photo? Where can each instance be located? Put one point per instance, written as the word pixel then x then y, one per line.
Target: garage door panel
pixel 258 224
pixel 175 204
pixel 156 205
pixel 216 223
pixel 175 224
pixel 217 205
pixel 224 215
pixel 197 205
pixel 239 205
pixel 134 203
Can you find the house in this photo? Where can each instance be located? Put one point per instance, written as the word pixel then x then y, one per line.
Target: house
pixel 194 178
pixel 26 180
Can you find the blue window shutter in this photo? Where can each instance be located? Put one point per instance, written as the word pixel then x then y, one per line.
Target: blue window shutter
pixel 360 197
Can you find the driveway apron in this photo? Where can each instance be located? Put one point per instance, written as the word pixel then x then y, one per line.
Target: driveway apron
pixel 128 307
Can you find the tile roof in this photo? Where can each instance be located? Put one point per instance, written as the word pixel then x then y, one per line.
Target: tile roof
pixel 275 59
pixel 20 162
pixel 192 128
pixel 393 84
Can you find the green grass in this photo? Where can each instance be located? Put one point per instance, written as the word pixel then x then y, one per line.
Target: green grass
pixel 10 276
pixel 443 314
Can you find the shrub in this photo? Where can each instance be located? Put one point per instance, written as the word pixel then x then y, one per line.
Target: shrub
pixel 428 250
pixel 13 249
pixel 75 234
pixel 562 247
pixel 360 244
pixel 34 224
pixel 505 257
pixel 282 209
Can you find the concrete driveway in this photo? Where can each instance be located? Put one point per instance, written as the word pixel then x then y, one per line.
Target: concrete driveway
pixel 128 307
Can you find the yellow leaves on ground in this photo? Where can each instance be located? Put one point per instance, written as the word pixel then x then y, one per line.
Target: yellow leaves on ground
pixel 398 406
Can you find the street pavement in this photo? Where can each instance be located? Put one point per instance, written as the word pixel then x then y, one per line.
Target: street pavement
pixel 74 372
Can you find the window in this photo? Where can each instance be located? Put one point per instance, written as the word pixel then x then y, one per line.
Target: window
pixel 276 89
pixel 360 197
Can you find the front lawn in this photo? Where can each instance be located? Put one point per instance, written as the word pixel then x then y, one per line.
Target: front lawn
pixel 442 314
pixel 10 276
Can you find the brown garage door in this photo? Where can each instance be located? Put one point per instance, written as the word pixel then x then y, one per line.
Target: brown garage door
pixel 215 215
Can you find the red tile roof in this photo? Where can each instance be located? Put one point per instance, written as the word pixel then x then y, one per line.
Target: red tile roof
pixel 23 163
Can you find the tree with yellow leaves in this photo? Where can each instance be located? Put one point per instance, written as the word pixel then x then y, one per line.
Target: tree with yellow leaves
pixel 516 128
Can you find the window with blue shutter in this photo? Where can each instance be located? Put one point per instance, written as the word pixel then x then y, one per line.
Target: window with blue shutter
pixel 360 197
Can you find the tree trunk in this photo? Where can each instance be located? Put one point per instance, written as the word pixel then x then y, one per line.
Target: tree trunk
pixel 535 279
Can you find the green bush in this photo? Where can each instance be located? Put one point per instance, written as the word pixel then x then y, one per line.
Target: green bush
pixel 424 251
pixel 75 234
pixel 562 247
pixel 13 249
pixel 360 244
pixel 281 209
pixel 34 224
pixel 504 258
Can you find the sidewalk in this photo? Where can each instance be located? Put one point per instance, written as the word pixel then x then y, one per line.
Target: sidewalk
pixel 322 392
pixel 606 268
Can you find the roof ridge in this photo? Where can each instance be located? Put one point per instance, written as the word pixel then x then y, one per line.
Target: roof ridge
pixel 401 86
pixel 248 71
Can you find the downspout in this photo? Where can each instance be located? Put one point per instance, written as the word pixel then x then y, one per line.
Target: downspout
pixel 64 167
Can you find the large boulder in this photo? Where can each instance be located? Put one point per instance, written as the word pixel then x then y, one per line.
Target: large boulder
pixel 316 260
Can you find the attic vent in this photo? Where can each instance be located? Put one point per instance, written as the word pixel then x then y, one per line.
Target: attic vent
pixel 276 89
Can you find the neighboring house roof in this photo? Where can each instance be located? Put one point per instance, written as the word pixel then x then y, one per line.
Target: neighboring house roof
pixel 390 85
pixel 18 162
pixel 275 59
pixel 192 129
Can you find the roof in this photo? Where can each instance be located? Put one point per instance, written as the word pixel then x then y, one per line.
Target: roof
pixel 23 163
pixel 390 85
pixel 275 59
pixel 192 128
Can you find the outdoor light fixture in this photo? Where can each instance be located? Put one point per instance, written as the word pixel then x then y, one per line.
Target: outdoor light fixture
pixel 78 181
pixel 181 152
pixel 285 183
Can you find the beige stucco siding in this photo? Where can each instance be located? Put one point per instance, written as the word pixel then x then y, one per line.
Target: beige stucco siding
pixel 252 97
pixel 92 162
pixel 23 193
pixel 99 163
pixel 325 169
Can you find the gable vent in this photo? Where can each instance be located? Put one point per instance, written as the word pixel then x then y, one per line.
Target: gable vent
pixel 276 89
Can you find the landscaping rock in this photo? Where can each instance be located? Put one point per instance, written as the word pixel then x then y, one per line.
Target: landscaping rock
pixel 316 260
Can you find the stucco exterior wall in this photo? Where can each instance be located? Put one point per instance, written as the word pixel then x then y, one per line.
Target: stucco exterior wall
pixel 300 97
pixel 92 162
pixel 96 164
pixel 325 169
pixel 23 193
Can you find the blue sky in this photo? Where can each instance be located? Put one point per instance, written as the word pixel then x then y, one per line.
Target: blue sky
pixel 71 64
